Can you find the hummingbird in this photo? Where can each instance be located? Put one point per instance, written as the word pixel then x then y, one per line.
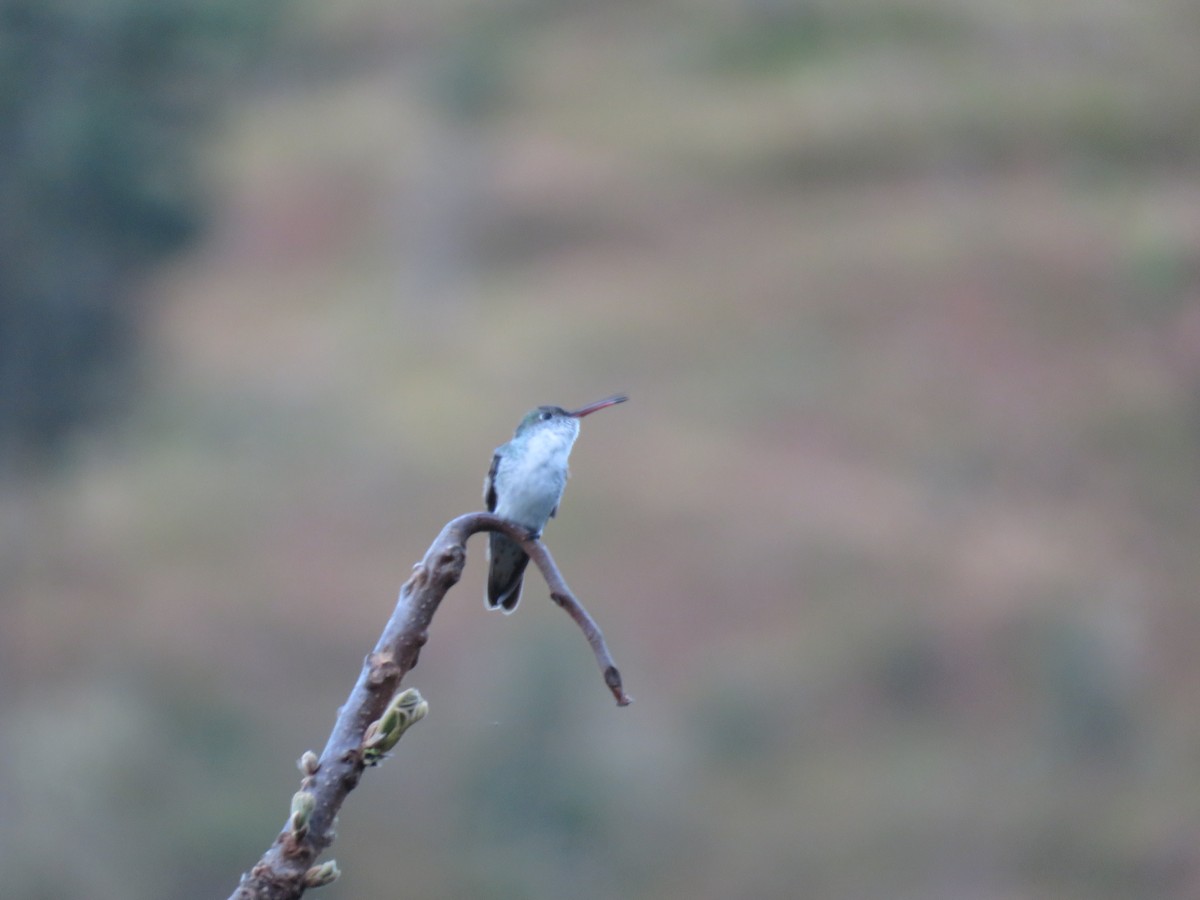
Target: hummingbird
pixel 524 485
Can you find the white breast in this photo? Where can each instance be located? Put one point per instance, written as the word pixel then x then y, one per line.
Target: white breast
pixel 534 481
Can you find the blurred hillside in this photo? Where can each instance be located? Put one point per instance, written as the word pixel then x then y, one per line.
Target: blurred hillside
pixel 895 542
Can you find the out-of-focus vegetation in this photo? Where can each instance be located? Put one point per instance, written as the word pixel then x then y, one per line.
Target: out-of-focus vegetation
pixel 895 543
pixel 103 106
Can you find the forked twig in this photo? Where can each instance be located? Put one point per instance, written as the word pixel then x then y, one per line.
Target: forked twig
pixel 374 717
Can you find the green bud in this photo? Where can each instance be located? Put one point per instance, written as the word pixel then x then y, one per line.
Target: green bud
pixel 412 705
pixel 381 736
pixel 319 876
pixel 303 804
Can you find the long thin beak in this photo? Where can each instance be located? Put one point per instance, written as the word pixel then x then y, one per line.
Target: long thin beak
pixel 599 404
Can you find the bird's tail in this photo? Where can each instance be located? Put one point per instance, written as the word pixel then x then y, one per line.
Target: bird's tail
pixel 506 571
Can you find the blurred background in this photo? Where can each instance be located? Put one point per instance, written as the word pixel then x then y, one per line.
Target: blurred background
pixel 896 543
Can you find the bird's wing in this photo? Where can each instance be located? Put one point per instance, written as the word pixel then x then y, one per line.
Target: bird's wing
pixel 489 484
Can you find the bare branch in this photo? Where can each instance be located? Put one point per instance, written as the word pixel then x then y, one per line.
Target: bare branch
pixel 373 718
pixel 561 594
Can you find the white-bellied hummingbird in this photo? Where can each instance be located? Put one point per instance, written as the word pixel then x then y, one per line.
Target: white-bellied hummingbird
pixel 524 485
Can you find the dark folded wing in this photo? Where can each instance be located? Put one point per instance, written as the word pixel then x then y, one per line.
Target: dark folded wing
pixel 489 484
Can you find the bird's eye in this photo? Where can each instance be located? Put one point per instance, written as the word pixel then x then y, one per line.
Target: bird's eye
pixel 544 416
